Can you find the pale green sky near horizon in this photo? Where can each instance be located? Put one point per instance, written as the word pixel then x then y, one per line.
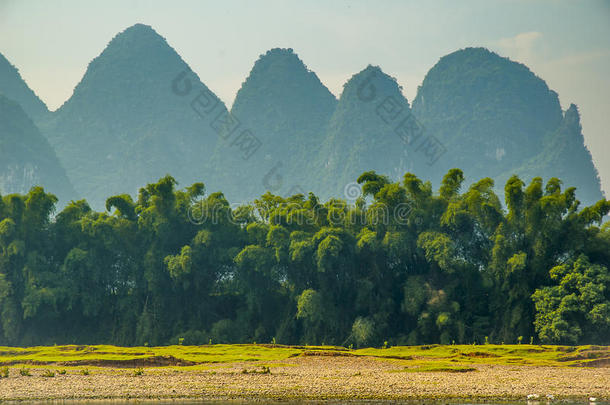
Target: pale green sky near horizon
pixel 565 42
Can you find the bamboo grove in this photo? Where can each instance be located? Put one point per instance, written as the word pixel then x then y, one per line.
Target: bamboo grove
pixel 403 264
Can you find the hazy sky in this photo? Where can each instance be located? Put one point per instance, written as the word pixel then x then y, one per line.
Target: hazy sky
pixel 567 43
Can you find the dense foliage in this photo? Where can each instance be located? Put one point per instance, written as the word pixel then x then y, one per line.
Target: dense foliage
pixel 403 264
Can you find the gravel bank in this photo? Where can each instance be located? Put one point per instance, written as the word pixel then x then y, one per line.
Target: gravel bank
pixel 313 378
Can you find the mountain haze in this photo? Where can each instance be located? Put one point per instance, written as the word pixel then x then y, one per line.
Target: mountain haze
pixel 372 128
pixel 495 117
pixel 139 113
pixel 15 88
pixel 124 126
pixel 491 113
pixel 287 108
pixel 26 158
pixel 565 156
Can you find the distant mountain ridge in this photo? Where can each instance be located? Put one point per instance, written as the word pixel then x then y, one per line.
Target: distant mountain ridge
pixel 124 126
pixel 26 157
pixel 564 156
pixel 286 106
pixel 496 119
pixel 372 128
pixel 15 88
pixel 487 110
pixel 127 124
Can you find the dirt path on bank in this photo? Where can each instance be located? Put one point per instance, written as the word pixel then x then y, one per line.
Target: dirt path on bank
pixel 313 377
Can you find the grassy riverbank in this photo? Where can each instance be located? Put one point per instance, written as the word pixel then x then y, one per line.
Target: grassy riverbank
pixel 313 372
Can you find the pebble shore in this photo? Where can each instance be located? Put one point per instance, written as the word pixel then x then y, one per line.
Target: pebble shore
pixel 315 378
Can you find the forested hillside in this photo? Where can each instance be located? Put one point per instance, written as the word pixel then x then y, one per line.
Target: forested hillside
pixel 15 88
pixel 372 128
pixel 564 155
pixel 406 265
pixel 286 107
pixel 491 112
pixel 26 158
pixel 497 118
pixel 138 113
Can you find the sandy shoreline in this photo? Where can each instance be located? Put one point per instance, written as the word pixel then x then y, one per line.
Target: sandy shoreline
pixel 314 378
